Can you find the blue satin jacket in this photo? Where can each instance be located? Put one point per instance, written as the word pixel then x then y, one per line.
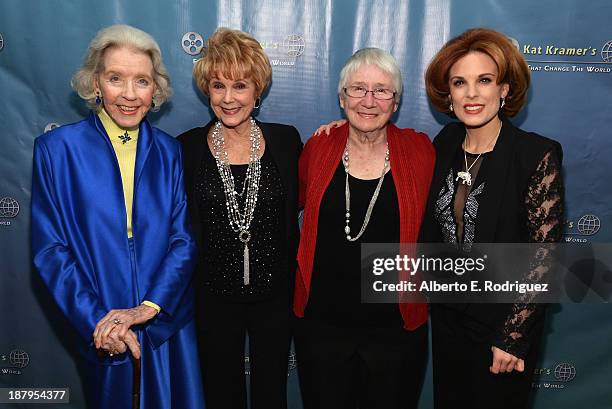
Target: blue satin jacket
pixel 79 232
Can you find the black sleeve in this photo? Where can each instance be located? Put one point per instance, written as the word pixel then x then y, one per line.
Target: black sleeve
pixel 544 205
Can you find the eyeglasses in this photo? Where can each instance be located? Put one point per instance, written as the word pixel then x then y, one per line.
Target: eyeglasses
pixel 356 91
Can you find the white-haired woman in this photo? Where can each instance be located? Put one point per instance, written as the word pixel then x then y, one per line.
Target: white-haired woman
pixel 367 182
pixel 109 230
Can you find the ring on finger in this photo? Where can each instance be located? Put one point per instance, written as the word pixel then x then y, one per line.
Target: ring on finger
pixel 117 321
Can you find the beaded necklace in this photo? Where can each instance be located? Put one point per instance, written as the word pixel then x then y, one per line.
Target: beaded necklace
pixel 347 195
pixel 240 222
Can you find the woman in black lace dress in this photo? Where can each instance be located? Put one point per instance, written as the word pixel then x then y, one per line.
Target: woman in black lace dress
pixel 493 183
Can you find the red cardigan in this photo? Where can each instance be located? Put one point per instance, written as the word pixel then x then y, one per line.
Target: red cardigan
pixel 412 158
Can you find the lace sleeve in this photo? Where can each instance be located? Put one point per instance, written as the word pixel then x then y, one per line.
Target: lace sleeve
pixel 544 206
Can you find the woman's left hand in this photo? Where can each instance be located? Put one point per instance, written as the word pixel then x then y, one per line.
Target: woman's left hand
pixel 120 322
pixel 116 346
pixel 505 362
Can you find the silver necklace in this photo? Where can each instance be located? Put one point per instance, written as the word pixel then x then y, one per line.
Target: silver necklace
pixel 239 221
pixel 466 176
pixel 347 194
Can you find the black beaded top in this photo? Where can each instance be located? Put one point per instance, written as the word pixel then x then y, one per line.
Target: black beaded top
pixel 221 250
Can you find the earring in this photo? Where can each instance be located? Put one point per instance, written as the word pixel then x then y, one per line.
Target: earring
pixel 503 102
pixel 451 107
pixel 257 103
pixel 98 99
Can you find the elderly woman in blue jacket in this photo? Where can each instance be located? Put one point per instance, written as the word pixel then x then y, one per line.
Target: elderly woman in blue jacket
pixel 109 229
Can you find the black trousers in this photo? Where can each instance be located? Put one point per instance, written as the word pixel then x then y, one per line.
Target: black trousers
pixel 379 368
pixel 461 350
pixel 222 328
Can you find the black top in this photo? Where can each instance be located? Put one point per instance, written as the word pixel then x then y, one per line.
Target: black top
pixel 335 290
pixel 515 183
pixel 457 204
pixel 223 252
pixel 284 145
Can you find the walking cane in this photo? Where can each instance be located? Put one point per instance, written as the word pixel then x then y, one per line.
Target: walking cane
pixel 136 383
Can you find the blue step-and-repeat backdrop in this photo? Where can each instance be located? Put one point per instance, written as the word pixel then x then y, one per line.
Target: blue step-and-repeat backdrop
pixel 567 43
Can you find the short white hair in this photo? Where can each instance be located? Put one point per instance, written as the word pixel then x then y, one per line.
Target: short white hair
pixel 378 58
pixel 120 35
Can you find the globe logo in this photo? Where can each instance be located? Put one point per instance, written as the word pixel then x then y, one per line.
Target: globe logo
pixel 588 225
pixel 9 207
pixel 1 42
pixel 294 44
pixel 51 126
pixel 606 51
pixel 565 372
pixel 192 43
pixel 19 358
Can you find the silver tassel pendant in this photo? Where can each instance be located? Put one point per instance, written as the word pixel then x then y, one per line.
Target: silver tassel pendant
pixel 246 264
pixel 244 236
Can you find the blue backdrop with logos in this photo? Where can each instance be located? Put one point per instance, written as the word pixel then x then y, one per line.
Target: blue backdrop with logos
pixel 568 44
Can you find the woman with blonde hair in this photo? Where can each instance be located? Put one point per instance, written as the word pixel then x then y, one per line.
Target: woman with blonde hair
pixel 241 182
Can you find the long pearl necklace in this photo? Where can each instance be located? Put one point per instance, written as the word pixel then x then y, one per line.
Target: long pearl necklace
pixel 466 176
pixel 347 194
pixel 240 222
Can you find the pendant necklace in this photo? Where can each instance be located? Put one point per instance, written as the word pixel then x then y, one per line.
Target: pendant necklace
pixel 347 194
pixel 239 221
pixel 466 176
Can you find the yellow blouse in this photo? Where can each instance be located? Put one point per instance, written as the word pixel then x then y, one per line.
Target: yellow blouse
pixel 125 150
pixel 124 143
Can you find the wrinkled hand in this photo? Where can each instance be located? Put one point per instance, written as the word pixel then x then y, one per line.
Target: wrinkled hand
pixel 505 362
pixel 115 346
pixel 328 127
pixel 119 322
